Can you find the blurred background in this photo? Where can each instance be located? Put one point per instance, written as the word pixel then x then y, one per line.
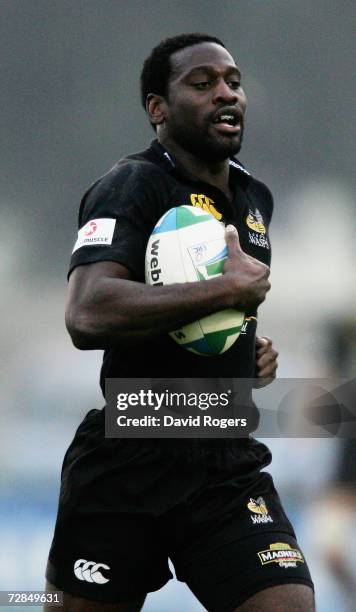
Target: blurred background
pixel 70 108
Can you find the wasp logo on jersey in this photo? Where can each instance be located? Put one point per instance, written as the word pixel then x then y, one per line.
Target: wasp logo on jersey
pixel 254 221
pixel 258 506
pixel 202 201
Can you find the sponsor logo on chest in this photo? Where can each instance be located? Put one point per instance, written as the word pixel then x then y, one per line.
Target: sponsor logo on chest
pixel 205 203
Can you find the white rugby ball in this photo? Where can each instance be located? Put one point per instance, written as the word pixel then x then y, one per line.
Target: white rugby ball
pixel 188 244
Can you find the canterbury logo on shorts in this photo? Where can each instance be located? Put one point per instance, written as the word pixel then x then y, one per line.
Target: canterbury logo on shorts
pixel 90 571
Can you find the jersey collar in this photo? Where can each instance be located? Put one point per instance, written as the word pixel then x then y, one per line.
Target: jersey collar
pixel 167 160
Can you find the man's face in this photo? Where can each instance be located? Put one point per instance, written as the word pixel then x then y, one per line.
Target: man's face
pixel 206 103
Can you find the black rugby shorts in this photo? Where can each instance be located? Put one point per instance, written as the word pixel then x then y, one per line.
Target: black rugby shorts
pixel 126 506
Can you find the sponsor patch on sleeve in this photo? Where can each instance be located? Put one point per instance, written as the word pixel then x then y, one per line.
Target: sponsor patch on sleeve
pixel 98 232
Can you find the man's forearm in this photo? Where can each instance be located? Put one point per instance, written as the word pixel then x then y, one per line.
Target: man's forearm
pixel 106 308
pixel 123 311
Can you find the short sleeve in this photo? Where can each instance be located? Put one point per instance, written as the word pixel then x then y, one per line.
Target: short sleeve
pixel 117 216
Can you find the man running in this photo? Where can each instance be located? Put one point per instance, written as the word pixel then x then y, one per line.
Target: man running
pixel 126 506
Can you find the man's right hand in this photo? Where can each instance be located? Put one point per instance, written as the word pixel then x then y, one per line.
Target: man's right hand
pixel 248 277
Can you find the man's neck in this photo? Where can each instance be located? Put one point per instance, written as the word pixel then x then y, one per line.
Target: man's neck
pixel 214 173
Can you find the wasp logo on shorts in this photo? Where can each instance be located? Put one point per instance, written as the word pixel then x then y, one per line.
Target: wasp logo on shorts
pixel 202 201
pixel 259 507
pixel 245 324
pixel 282 554
pixel 89 571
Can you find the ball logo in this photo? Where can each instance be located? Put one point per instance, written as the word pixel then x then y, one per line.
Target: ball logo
pixel 91 229
pixel 198 252
pixel 89 571
pixel 208 258
pixel 154 271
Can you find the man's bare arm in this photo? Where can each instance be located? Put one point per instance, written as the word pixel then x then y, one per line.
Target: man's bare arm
pixel 105 308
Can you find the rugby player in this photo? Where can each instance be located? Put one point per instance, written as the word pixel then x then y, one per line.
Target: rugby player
pixel 126 506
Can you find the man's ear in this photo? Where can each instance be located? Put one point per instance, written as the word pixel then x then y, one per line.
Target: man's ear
pixel 156 108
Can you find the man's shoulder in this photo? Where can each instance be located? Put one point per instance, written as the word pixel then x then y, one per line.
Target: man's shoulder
pixel 147 161
pixel 133 177
pixel 261 188
pixel 261 193
pixel 255 188
pixel 134 169
pixel 137 178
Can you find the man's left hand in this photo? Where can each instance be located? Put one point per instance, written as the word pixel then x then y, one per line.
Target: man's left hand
pixel 266 362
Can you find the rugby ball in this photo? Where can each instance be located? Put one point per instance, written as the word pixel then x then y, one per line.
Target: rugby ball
pixel 188 244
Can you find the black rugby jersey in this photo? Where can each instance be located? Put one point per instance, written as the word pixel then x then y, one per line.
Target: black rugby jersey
pixel 116 217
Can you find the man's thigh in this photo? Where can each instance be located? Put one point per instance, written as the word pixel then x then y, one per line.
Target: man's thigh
pixel 266 571
pixel 282 598
pixel 116 559
pixel 72 603
pixel 237 540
